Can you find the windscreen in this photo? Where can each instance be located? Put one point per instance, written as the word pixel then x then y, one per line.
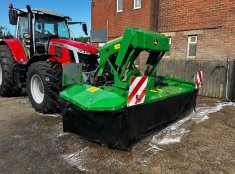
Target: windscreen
pixel 46 26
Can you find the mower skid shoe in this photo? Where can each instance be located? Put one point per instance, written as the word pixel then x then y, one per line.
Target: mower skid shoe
pixel 120 128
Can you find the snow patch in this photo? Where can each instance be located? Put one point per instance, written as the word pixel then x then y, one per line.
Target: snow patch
pixel 49 115
pixel 154 148
pixel 174 137
pixel 62 134
pixel 175 132
pixel 114 163
pixel 203 112
pixel 77 159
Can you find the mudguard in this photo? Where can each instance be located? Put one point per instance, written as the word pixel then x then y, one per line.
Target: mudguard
pixel 16 48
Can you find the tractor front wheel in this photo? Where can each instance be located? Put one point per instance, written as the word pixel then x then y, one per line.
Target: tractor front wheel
pixel 8 85
pixel 43 86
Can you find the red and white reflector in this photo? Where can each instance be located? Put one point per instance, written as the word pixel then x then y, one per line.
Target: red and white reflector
pixel 199 79
pixel 137 90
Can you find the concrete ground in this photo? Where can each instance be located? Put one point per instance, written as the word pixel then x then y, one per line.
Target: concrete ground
pixel 203 142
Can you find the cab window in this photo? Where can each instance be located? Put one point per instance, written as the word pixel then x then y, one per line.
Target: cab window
pixel 22 27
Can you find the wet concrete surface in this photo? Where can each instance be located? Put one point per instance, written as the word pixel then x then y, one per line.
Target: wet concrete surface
pixel 203 142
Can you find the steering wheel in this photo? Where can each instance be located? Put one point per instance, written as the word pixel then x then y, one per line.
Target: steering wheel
pixel 47 32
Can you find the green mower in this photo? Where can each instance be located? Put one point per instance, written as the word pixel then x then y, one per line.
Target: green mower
pixel 118 104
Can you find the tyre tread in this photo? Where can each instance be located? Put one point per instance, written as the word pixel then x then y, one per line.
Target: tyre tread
pixel 9 86
pixel 52 71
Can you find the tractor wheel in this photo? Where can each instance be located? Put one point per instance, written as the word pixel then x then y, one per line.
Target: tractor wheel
pixel 43 86
pixel 8 85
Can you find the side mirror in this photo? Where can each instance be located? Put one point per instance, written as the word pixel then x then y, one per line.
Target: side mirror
pixel 13 14
pixel 84 28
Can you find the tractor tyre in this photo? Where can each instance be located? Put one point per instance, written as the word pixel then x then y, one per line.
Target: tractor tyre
pixel 44 85
pixel 8 84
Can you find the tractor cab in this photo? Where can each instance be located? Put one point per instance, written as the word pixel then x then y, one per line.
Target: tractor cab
pixel 35 28
pixel 44 28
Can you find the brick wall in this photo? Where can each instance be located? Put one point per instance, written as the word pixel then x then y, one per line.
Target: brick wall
pixel 213 21
pixel 105 15
pixel 99 13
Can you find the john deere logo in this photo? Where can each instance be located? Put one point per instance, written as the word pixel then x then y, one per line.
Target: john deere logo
pixel 155 42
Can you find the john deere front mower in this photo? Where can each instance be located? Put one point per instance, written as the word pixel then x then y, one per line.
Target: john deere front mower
pixel 119 103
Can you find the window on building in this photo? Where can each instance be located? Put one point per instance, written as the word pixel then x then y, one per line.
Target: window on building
pixel 137 4
pixel 192 46
pixel 119 5
pixel 168 53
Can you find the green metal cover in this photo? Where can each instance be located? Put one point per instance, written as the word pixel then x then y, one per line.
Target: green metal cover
pixel 93 98
pixel 113 98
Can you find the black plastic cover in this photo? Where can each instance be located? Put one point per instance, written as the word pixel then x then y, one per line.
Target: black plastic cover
pixel 119 128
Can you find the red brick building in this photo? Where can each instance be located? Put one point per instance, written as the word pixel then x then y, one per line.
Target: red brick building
pixel 198 29
pixel 211 21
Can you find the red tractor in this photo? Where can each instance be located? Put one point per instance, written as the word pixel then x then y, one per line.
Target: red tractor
pixel 35 57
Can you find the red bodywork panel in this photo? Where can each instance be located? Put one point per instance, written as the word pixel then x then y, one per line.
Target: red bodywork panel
pixel 20 56
pixel 65 57
pixel 79 45
pixel 65 46
pixel 16 48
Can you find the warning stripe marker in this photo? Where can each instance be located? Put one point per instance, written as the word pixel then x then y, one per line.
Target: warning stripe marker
pixel 137 90
pixel 199 78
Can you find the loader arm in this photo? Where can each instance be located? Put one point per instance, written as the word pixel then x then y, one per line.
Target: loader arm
pixel 121 53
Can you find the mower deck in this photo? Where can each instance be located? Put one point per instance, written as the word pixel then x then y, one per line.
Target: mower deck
pixel 103 115
pixel 124 103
